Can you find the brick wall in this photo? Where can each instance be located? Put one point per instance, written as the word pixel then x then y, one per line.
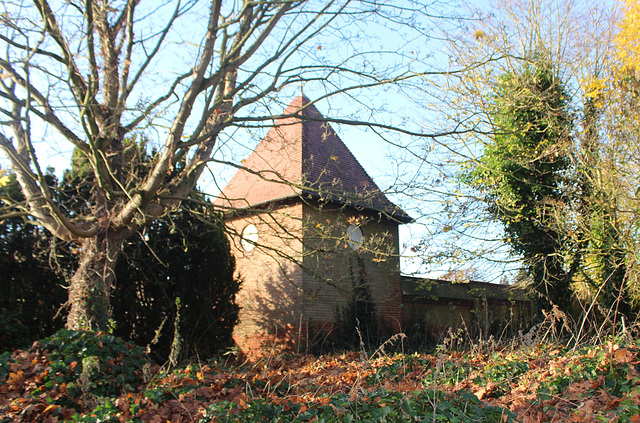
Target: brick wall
pixel 334 265
pixel 292 289
pixel 482 317
pixel 270 296
pixel 290 286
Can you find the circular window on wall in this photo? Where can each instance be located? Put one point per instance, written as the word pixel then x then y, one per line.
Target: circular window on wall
pixel 249 237
pixel 354 235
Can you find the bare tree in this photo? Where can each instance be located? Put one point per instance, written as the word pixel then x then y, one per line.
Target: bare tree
pixel 501 39
pixel 595 216
pixel 91 74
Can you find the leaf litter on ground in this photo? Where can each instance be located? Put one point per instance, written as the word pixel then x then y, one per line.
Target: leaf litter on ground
pixel 67 379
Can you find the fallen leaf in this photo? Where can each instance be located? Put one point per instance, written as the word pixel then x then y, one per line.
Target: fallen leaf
pixel 16 379
pixel 481 393
pixel 623 355
pixel 50 407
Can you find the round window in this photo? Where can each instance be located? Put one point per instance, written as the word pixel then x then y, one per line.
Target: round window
pixel 354 233
pixel 249 237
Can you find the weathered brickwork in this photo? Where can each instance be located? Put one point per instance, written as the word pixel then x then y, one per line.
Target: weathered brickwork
pixel 302 270
pixel 334 266
pixel 301 189
pixel 479 308
pixel 270 293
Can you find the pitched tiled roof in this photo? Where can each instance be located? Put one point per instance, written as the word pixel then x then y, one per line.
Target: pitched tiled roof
pixel 303 156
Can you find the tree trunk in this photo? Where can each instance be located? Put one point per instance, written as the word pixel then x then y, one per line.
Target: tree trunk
pixel 90 286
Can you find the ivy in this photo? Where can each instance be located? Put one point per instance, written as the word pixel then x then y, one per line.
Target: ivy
pixel 522 172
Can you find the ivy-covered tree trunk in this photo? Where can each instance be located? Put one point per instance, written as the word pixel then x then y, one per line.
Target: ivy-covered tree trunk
pixel 521 173
pixel 90 285
pixel 610 262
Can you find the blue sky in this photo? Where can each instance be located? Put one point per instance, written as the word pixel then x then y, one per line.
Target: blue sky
pixel 376 48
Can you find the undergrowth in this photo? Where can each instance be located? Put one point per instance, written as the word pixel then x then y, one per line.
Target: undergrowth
pixel 85 377
pixel 379 405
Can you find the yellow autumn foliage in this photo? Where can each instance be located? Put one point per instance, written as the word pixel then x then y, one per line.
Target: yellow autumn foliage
pixel 594 88
pixel 627 40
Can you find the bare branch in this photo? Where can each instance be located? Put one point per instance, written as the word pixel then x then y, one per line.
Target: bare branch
pixel 43 209
pixel 78 83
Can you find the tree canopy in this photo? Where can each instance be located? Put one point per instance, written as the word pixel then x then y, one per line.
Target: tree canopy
pixel 88 75
pixel 571 181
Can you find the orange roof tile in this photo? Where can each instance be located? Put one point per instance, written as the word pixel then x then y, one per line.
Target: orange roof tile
pixel 303 156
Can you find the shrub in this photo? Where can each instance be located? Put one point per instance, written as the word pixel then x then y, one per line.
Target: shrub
pixel 94 363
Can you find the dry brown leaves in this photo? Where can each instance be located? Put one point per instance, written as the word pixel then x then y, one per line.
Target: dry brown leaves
pixel 182 396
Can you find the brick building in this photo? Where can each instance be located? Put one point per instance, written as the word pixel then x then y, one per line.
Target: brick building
pixel 308 225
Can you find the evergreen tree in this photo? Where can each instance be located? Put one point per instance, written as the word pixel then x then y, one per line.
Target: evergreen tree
pixel 32 292
pixel 182 256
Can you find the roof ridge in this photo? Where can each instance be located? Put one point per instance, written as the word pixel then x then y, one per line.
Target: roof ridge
pixel 311 158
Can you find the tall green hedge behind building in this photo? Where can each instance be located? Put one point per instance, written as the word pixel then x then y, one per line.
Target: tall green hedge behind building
pixel 186 254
